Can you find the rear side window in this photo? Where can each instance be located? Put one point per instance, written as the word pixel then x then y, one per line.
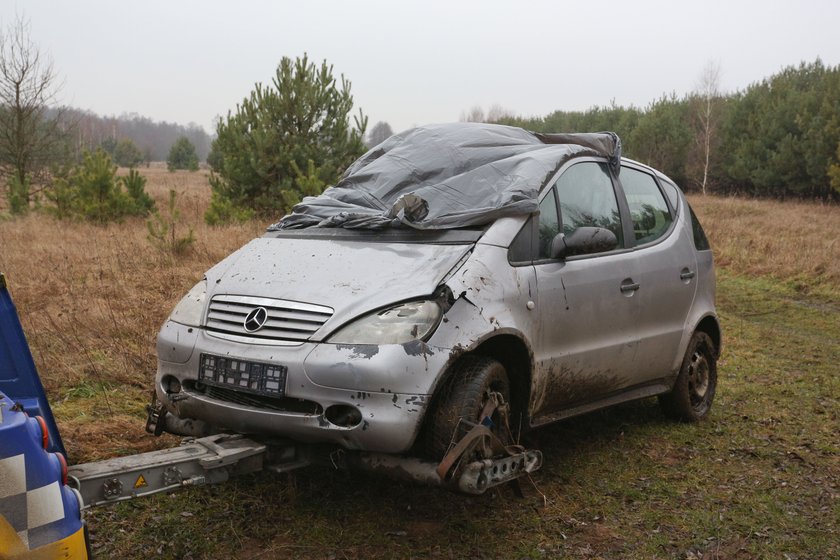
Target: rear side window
pixel 587 199
pixel 671 192
pixel 701 242
pixel 648 209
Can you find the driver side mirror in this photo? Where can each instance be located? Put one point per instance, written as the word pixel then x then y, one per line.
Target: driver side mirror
pixel 583 241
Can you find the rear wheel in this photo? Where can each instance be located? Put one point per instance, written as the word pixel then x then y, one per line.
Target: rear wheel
pixel 464 397
pixel 694 390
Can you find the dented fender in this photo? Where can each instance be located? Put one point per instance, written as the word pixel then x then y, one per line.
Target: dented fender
pixel 498 291
pixel 387 368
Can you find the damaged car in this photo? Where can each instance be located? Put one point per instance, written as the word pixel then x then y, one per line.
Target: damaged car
pixel 456 275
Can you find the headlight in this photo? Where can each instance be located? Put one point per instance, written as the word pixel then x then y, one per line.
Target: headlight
pixel 191 307
pixel 395 325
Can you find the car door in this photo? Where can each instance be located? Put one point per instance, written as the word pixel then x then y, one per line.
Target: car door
pixel 666 273
pixel 586 342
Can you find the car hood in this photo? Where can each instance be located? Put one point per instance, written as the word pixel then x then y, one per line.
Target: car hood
pixel 351 277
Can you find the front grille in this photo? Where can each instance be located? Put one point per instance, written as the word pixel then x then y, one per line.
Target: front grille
pixel 287 322
pixel 280 404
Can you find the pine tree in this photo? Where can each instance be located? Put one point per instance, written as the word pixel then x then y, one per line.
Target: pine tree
pixel 182 155
pixel 92 191
pixel 127 154
pixel 262 147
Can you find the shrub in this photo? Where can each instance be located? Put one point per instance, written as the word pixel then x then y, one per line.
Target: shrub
pixel 163 230
pixel 223 211
pixel 18 195
pixel 135 186
pixel 182 155
pixel 92 191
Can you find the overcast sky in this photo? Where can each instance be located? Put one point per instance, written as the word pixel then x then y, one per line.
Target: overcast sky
pixel 418 62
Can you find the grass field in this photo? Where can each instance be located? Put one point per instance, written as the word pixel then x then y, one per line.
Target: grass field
pixel 759 479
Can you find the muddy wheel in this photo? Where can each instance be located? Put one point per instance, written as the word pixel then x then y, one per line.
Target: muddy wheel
pixel 464 396
pixel 693 392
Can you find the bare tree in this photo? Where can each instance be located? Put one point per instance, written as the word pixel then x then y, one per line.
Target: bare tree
pixel 28 137
pixel 496 113
pixel 475 114
pixel 380 132
pixel 707 101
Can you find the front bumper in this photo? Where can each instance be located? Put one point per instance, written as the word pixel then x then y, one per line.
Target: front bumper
pixel 389 385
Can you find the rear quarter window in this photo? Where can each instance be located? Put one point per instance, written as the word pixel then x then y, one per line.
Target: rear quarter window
pixel 671 192
pixel 701 242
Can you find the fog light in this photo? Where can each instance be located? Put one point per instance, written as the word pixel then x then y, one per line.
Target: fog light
pixel 172 384
pixel 343 415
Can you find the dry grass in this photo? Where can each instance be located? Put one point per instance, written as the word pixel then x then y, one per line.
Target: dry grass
pixel 92 299
pixel 796 242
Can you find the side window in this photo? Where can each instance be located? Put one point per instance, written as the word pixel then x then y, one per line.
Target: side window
pixel 549 226
pixel 701 242
pixel 648 209
pixel 671 193
pixel 587 199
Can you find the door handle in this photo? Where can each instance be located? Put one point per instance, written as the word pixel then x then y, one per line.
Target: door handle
pixel 629 286
pixel 687 274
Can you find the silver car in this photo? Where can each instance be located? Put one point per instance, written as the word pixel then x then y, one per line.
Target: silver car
pixel 598 291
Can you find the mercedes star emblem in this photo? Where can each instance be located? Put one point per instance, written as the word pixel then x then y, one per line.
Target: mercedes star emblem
pixel 255 320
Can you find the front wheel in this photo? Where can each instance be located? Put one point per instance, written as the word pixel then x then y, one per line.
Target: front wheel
pixel 463 397
pixel 691 397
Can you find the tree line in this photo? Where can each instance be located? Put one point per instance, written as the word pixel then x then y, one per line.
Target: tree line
pixel 295 135
pixel 779 137
pixel 154 139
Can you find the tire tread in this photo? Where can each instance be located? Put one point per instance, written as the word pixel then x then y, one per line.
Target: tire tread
pixel 460 396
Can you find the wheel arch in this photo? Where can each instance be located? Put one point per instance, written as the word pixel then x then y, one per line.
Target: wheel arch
pixel 513 353
pixel 517 358
pixel 710 325
pixel 509 349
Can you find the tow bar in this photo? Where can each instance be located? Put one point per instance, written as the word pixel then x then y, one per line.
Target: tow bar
pixel 208 460
pixel 215 459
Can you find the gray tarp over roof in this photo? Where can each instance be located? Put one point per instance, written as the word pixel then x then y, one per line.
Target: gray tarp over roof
pixel 447 176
